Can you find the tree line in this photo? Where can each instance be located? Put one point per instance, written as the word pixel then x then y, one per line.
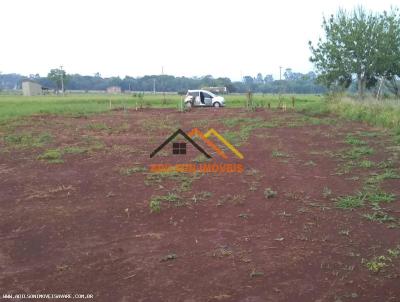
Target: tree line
pixel 292 82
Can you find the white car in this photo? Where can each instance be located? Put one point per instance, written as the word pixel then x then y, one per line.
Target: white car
pixel 203 98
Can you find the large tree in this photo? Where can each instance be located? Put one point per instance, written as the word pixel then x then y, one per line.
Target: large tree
pixel 59 77
pixel 358 44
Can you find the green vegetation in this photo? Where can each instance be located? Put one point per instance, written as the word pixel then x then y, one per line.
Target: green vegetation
pixel 358 152
pixel 380 196
pixel 236 199
pixel 240 128
pixel 373 194
pixel 378 263
pixel 74 150
pixel 269 193
pixel 14 106
pixel 27 140
pixel 351 201
pixel 132 170
pixel 183 180
pixel 201 196
pixel 155 205
pixel 157 201
pixel 277 153
pixel 366 164
pixel 379 216
pixel 97 126
pixel 370 59
pixel 352 140
pixel 56 155
pixel 384 114
pixel 376 178
pixel 173 198
pixel 169 257
pixel 52 156
pixel 168 124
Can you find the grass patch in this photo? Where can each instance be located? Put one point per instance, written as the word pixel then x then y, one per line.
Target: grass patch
pixel 310 163
pixel 366 164
pixel 97 126
pixel 277 153
pixel 381 197
pixel 269 193
pixel 183 181
pixel 379 216
pixel 27 140
pixel 384 114
pixel 201 196
pixel 236 121
pixel 52 156
pixel 351 201
pixel 236 199
pixel 376 178
pixel 356 153
pixel 156 124
pixel 352 140
pixel 157 201
pixel 132 170
pixel 74 150
pixel 376 264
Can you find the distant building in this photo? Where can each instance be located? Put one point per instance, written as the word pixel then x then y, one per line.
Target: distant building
pixel 114 89
pixel 31 88
pixel 217 90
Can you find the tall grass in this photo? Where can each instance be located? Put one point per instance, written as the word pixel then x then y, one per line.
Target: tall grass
pixel 380 113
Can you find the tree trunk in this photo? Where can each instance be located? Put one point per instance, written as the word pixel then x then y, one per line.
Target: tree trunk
pixel 362 82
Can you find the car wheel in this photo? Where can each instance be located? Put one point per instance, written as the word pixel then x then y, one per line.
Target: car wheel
pixel 217 105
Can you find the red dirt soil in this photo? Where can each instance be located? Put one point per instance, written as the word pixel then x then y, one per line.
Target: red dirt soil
pixel 83 226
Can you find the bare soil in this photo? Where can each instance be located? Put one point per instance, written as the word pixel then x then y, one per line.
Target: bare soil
pixel 84 225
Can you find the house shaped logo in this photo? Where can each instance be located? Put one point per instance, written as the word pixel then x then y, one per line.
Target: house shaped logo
pixel 180 147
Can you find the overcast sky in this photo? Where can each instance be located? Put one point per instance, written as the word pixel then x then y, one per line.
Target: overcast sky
pixel 186 37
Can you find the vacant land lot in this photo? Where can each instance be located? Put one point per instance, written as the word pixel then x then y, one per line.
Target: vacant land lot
pixel 315 216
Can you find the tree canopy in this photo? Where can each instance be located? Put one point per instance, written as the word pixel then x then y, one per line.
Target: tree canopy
pixel 358 45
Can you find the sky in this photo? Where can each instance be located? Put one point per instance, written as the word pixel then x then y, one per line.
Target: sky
pixel 224 38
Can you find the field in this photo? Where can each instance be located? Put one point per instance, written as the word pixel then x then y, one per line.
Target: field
pixel 315 215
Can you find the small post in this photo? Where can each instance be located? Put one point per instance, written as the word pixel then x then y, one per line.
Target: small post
pixel 110 103
pixel 293 101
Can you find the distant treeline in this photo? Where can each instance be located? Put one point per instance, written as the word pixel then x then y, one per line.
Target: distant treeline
pixel 292 82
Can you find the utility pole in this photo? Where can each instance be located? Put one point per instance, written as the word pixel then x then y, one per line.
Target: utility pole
pixel 62 79
pixel 154 86
pixel 162 75
pixel 280 87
